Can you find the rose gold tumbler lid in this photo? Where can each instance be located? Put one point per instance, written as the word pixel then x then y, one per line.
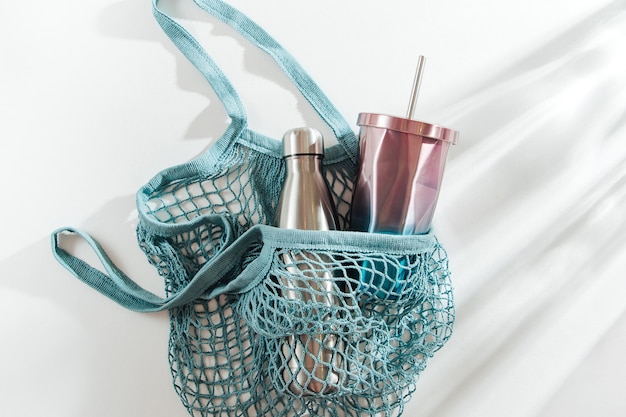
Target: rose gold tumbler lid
pixel 413 127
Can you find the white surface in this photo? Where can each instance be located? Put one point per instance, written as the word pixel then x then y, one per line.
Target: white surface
pixel 94 100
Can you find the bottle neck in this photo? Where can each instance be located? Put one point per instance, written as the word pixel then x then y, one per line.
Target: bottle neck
pixel 304 163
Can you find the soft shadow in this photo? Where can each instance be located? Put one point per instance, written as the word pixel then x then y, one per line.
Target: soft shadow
pixel 518 306
pixel 603 397
pixel 261 65
pixel 533 200
pixel 485 107
pixel 535 120
pixel 101 353
pixel 129 19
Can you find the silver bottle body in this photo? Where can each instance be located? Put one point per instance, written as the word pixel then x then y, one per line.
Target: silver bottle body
pixel 306 203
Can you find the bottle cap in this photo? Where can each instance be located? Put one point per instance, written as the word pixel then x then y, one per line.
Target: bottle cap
pixel 303 141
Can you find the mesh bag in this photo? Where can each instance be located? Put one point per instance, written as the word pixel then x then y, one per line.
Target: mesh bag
pixel 238 346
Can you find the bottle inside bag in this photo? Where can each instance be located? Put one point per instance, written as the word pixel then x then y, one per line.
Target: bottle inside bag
pixel 313 360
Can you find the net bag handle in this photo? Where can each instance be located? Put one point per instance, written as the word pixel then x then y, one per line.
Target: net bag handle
pixel 190 47
pixel 116 285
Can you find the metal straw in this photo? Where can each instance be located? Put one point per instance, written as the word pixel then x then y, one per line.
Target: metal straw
pixel 416 86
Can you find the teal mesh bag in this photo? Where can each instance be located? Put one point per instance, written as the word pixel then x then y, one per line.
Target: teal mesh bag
pixel 206 227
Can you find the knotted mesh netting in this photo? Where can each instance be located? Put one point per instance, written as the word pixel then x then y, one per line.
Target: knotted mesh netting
pixel 301 323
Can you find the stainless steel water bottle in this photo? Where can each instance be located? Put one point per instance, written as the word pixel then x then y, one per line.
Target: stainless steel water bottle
pixel 306 203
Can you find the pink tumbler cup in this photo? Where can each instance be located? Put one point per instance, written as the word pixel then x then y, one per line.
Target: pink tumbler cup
pixel 400 172
pixel 401 167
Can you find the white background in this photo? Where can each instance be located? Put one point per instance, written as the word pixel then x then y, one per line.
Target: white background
pixel 94 100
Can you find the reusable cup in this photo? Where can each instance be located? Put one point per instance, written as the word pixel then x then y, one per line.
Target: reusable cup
pixel 400 173
pixel 401 167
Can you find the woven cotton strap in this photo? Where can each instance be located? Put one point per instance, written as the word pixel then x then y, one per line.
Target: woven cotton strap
pixel 120 288
pixel 260 38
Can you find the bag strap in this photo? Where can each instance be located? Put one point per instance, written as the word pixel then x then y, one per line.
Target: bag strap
pixel 191 48
pixel 198 56
pixel 117 286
